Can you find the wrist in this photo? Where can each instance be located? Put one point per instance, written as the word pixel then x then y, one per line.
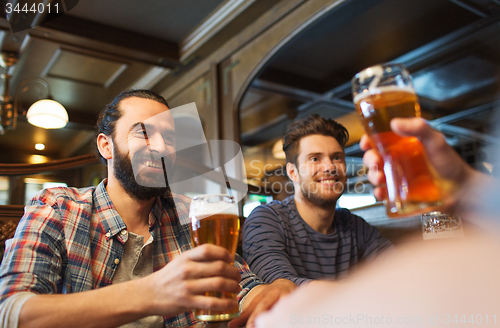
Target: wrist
pixel 284 284
pixel 141 298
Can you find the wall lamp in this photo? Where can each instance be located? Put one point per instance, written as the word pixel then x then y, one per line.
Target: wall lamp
pixel 45 113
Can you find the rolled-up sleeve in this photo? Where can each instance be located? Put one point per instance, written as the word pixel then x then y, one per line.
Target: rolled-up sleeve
pixel 9 311
pixel 248 279
pixel 32 261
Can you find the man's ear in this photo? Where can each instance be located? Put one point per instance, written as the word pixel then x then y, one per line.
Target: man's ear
pixel 292 172
pixel 105 146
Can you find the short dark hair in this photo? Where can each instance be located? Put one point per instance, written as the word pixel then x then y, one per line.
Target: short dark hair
pixel 106 122
pixel 314 124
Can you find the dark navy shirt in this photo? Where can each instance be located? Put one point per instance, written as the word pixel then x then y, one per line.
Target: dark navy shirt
pixel 278 243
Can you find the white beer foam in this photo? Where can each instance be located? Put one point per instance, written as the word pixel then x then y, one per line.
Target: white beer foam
pixel 204 205
pixel 379 90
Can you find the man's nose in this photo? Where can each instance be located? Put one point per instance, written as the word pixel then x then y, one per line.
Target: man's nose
pixel 156 143
pixel 330 166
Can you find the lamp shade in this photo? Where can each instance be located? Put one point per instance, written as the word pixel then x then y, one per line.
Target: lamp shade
pixel 278 150
pixel 47 114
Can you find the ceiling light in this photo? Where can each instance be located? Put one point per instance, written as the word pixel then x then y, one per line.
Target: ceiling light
pixel 47 114
pixel 278 150
pixel 39 146
pixel 37 159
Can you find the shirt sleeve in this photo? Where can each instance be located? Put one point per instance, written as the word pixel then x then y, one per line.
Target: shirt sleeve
pixel 248 279
pixel 32 260
pixel 264 247
pixel 9 311
pixel 370 242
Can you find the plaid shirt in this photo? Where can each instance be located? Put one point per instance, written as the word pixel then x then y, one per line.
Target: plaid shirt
pixel 69 241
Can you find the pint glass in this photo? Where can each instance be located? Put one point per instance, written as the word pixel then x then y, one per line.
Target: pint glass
pixel 214 220
pixel 381 93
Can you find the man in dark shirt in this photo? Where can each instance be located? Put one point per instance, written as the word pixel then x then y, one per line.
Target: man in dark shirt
pixel 305 237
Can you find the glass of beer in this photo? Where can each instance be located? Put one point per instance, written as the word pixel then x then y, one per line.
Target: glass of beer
pixel 437 225
pixel 381 93
pixel 214 220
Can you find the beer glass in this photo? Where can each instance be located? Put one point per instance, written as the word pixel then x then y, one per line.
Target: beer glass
pixel 381 93
pixel 441 225
pixel 214 220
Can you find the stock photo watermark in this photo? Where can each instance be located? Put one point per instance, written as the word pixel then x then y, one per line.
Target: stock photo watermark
pixel 337 176
pixel 23 15
pixel 365 319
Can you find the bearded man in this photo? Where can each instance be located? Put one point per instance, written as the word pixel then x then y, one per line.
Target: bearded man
pixel 305 237
pixel 120 254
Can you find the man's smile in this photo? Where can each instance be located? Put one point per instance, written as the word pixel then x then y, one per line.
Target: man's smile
pixel 328 181
pixel 153 164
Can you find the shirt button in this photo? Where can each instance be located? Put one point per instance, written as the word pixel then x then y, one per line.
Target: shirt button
pixel 124 232
pixel 108 234
pixel 138 253
pixel 117 261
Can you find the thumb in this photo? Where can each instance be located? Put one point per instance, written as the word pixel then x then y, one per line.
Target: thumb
pixel 431 139
pixel 412 127
pixel 444 159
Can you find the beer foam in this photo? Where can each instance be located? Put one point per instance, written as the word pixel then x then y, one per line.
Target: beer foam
pixel 204 205
pixel 379 90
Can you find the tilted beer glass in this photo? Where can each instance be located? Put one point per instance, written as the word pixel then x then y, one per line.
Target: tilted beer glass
pixel 214 220
pixel 381 93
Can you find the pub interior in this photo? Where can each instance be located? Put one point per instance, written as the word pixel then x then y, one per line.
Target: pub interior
pixel 252 67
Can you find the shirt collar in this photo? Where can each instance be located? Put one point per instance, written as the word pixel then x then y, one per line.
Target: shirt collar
pixel 108 216
pixel 157 211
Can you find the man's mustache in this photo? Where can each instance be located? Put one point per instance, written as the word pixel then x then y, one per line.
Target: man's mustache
pixel 188 168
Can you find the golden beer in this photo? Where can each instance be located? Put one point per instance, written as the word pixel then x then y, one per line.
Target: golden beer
pixel 218 229
pixel 221 229
pixel 412 187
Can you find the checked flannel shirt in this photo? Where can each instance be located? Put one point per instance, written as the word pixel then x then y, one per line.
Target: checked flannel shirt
pixel 69 241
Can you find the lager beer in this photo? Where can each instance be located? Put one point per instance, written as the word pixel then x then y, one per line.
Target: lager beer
pixel 214 220
pixel 412 186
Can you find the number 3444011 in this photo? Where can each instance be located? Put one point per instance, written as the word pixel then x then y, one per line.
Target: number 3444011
pixel 474 319
pixel 34 8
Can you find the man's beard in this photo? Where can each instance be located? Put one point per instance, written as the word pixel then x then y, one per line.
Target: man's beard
pixel 317 199
pixel 124 172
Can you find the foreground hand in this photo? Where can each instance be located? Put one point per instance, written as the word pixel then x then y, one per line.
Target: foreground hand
pixel 180 286
pixel 447 163
pixel 261 299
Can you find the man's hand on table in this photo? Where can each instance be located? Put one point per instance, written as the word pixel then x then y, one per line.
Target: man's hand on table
pixel 261 299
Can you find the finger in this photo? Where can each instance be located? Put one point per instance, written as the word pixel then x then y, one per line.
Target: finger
pixel 410 127
pixel 380 193
pixel 419 128
pixel 212 303
pixel 213 284
pixel 364 143
pixel 209 252
pixel 443 158
pixel 373 161
pixel 196 270
pixel 239 321
pixel 265 304
pixel 376 177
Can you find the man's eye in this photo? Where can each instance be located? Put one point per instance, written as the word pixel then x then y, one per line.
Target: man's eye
pixel 140 133
pixel 169 139
pixel 314 159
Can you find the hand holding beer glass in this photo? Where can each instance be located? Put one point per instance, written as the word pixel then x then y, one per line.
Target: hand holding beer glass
pixel 214 220
pixel 381 93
